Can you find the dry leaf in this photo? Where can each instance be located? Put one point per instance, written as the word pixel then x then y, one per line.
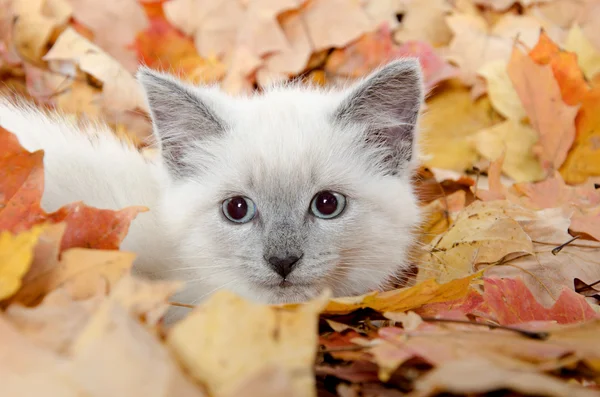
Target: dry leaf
pixel 549 115
pixel 517 141
pixel 500 90
pixel 16 255
pixel 424 20
pixel 206 342
pixel 471 376
pixel 583 159
pixel 403 299
pixel 475 44
pixel 123 359
pixel 56 322
pixel 588 57
pixel 120 90
pixel 481 234
pixel 450 118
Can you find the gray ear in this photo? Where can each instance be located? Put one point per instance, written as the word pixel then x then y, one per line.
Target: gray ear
pixel 181 116
pixel 387 104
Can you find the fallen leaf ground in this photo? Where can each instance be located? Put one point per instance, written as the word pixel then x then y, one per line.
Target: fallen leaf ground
pixel 507 297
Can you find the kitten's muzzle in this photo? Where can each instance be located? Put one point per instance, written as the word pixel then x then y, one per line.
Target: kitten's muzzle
pixel 283 265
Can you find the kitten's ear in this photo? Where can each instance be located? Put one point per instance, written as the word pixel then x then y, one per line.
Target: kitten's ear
pixel 180 115
pixel 387 104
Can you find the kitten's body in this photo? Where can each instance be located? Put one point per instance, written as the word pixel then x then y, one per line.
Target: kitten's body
pixel 279 149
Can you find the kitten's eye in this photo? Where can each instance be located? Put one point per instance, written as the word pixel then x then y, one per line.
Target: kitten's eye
pixel 327 205
pixel 239 209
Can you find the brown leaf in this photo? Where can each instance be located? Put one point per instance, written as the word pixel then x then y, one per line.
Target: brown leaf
pixel 476 375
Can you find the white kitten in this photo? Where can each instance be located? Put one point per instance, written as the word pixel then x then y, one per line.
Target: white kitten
pixel 275 196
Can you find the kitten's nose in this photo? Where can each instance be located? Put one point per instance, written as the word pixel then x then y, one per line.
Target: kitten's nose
pixel 283 266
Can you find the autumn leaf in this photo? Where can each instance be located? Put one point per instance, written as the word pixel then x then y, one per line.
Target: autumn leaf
pixel 512 303
pixel 21 189
pixel 374 49
pixel 113 31
pixel 452 117
pixel 549 115
pixel 206 340
pixel 480 235
pixel 470 376
pixel 588 57
pixel 21 184
pixel 475 44
pixel 582 160
pixel 403 299
pixel 16 255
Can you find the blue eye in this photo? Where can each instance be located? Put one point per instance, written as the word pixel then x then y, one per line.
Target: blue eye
pixel 239 209
pixel 327 205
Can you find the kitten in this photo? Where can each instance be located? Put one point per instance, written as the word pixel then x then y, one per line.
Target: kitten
pixel 275 196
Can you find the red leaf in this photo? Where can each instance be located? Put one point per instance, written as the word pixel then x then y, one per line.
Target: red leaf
pixel 512 303
pixel 21 189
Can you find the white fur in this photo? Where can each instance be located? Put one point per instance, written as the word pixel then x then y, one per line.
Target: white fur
pixel 280 150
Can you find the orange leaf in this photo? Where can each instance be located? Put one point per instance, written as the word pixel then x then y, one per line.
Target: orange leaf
pixel 377 48
pixel 21 189
pixel 584 158
pixel 549 115
pixel 564 67
pixel 21 185
pixel 512 303
pixel 404 299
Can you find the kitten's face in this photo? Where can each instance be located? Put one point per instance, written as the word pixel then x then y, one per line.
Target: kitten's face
pixel 292 196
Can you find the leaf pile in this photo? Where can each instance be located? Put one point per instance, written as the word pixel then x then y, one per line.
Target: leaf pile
pixel 507 297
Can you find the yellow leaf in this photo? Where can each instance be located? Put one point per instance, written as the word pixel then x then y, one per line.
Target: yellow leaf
pixel 16 255
pixel 588 57
pixel 403 299
pixel 227 340
pixel 482 234
pixel 451 117
pixel 518 140
pixel 502 94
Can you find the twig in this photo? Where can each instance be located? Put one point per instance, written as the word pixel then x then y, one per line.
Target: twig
pixel 556 250
pixel 182 305
pixel 529 334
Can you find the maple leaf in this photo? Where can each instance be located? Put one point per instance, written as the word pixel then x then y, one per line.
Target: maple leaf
pixel 549 115
pixel 474 376
pixel 377 48
pixel 114 31
pixel 565 68
pixel 204 341
pixel 582 160
pixel 451 117
pixel 475 44
pixel 588 57
pixel 79 270
pixel 120 90
pixel 512 303
pixel 16 255
pixel 480 235
pixel 424 20
pixel 403 299
pixel 21 189
pixel 161 46
pixel 516 140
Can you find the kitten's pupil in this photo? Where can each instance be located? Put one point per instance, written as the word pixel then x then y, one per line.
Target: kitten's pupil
pixel 237 208
pixel 326 203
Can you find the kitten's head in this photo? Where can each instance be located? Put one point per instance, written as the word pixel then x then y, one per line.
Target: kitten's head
pixel 280 195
